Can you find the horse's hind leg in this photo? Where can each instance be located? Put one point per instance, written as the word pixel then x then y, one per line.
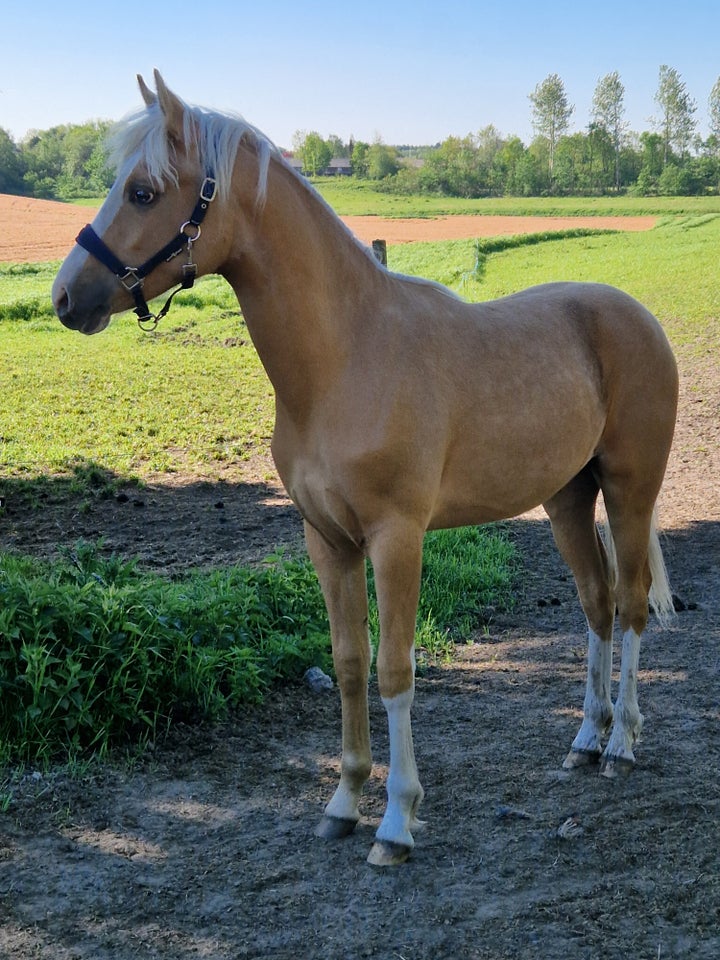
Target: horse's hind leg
pixel 630 519
pixel 344 585
pixel 572 516
pixel 630 468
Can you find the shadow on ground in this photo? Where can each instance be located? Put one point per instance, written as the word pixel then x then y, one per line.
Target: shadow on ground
pixel 169 524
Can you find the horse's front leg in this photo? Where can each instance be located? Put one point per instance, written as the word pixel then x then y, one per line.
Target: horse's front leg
pixel 343 581
pixel 396 556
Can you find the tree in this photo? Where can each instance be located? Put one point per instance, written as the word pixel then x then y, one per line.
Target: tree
pixel 453 169
pixel 579 163
pixel 490 143
pixel 11 165
pixel 382 161
pixel 100 177
pixel 338 146
pixel 677 121
pixel 608 110
pixel 359 159
pixel 508 167
pixel 67 161
pixel 713 141
pixel 44 158
pixel 651 146
pixel 84 165
pixel 604 161
pixel 551 114
pixel 314 152
pixel 714 110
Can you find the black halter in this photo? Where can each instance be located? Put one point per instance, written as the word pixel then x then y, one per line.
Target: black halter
pixel 132 278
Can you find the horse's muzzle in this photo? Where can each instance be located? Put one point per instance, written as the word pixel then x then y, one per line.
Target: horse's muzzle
pixel 87 320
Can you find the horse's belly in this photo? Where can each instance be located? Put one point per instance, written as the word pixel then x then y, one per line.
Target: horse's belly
pixel 493 481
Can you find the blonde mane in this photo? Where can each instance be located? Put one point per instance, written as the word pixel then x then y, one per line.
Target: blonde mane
pixel 215 137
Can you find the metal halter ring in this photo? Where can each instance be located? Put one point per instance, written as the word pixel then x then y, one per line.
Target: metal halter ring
pixel 189 223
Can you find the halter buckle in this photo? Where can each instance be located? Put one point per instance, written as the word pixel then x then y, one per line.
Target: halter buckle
pixel 208 189
pixel 130 280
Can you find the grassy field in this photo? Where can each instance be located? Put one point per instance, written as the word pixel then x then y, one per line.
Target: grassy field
pixel 188 399
pixel 350 197
pixel 189 396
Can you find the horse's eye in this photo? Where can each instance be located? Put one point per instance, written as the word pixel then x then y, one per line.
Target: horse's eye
pixel 142 196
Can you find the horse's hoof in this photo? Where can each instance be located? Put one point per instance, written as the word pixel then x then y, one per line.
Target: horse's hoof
pixel 387 854
pixel 334 828
pixel 614 767
pixel 580 758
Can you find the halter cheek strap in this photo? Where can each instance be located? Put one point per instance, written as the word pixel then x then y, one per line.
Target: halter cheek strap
pixel 132 278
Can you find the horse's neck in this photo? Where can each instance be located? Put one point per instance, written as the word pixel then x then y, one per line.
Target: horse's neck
pixel 297 279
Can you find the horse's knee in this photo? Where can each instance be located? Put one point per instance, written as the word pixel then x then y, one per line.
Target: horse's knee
pixel 352 668
pixel 632 606
pixel 395 669
pixel 396 682
pixel 599 609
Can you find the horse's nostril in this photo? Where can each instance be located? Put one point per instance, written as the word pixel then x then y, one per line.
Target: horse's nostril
pixel 61 302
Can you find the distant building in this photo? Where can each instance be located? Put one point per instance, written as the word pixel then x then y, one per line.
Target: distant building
pixel 295 162
pixel 338 167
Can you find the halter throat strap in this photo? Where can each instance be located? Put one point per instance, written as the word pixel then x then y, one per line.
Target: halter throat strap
pixel 133 278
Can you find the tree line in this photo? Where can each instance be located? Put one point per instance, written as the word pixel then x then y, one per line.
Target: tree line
pixel 62 163
pixel 69 161
pixel 669 159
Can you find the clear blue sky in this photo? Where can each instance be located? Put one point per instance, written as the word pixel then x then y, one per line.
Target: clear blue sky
pixel 410 71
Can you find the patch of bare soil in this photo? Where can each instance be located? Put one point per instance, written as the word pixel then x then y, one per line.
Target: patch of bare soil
pixel 36 230
pixel 204 848
pixel 32 231
pixel 464 227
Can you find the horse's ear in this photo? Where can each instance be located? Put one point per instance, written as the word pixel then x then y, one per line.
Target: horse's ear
pixel 147 94
pixel 172 107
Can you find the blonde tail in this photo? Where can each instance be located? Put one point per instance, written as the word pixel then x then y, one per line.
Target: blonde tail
pixel 660 597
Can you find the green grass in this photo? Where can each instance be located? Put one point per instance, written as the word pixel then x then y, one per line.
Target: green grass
pixel 187 398
pixel 349 197
pixel 25 290
pixel 96 653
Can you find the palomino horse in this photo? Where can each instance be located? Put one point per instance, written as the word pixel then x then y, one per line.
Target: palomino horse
pixel 400 408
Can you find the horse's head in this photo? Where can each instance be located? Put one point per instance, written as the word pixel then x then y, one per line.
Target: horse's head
pixel 146 236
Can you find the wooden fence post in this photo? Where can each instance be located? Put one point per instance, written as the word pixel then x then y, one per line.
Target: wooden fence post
pixel 380 250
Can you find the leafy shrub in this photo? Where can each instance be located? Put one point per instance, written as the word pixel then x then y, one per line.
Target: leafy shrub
pixel 94 652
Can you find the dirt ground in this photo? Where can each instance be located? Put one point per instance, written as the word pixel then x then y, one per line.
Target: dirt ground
pixel 36 230
pixel 204 847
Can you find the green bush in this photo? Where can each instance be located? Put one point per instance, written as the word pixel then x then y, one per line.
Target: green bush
pixel 94 652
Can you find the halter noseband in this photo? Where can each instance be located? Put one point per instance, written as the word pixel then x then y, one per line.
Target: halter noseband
pixel 132 278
